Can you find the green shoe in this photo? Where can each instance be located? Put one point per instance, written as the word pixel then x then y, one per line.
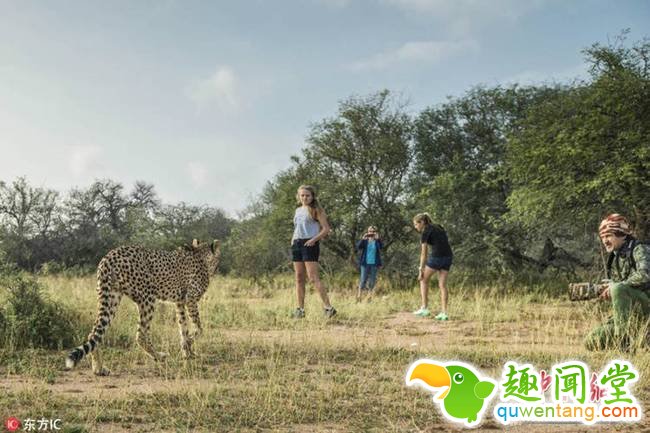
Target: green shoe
pixel 441 316
pixel 422 312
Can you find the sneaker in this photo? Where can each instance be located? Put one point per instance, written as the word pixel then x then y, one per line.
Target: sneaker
pixel 298 313
pixel 330 312
pixel 441 316
pixel 422 312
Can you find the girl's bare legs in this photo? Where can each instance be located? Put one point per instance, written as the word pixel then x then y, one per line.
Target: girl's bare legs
pixel 300 271
pixel 312 274
pixel 424 286
pixel 442 284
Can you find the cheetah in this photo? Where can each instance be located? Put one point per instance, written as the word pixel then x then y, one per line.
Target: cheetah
pixel 146 275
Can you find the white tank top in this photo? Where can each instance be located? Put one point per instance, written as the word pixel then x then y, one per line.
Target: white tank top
pixel 305 227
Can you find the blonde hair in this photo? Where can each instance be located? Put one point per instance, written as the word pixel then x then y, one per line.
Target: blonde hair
pixel 423 217
pixel 314 206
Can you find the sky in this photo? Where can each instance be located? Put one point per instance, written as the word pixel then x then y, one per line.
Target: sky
pixel 208 100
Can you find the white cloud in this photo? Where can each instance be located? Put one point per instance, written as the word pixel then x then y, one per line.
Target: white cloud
pixel 198 173
pixel 221 89
pixel 84 161
pixel 417 51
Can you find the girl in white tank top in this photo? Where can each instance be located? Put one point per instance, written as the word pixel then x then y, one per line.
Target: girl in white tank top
pixel 305 227
pixel 310 226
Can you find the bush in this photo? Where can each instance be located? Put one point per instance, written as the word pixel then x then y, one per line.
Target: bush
pixel 74 271
pixel 2 323
pixel 29 319
pixel 51 268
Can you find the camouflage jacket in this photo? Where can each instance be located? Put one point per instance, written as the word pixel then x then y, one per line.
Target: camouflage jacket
pixel 630 264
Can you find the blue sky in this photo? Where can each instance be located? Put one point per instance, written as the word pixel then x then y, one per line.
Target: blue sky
pixel 208 100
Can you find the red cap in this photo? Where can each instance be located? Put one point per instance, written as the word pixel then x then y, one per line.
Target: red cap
pixel 614 223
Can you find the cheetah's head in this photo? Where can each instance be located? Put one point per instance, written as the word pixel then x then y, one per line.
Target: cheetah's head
pixel 211 253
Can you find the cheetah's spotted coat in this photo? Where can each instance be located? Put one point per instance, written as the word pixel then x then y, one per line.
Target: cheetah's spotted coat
pixel 146 275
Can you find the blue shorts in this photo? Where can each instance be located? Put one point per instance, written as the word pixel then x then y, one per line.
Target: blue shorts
pixel 301 253
pixel 439 263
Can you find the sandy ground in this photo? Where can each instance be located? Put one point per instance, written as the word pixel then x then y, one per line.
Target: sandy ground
pixel 401 330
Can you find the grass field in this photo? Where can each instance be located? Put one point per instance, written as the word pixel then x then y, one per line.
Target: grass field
pixel 259 370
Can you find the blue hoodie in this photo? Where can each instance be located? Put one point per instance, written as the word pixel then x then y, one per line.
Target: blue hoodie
pixel 363 246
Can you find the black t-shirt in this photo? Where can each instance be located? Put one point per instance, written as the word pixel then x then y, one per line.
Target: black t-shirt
pixel 436 236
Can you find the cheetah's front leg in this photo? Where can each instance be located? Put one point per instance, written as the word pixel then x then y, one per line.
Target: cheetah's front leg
pixel 193 309
pixel 186 341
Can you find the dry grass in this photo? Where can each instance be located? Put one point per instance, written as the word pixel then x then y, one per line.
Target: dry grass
pixel 260 370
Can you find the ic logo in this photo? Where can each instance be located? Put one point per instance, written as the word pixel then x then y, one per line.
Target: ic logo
pixel 12 424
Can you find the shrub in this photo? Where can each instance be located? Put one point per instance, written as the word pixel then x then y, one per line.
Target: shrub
pixel 30 319
pixel 2 323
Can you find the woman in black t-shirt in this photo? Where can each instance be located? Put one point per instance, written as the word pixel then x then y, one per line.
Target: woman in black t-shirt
pixel 434 236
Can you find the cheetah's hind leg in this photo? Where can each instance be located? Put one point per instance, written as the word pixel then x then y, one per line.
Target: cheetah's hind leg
pixel 95 357
pixel 96 361
pixel 145 308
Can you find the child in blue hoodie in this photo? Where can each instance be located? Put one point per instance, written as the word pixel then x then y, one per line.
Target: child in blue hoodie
pixel 369 260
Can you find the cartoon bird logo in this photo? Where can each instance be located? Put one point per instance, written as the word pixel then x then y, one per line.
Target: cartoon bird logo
pixel 466 394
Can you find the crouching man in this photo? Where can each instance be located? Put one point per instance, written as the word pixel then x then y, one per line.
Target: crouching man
pixel 628 268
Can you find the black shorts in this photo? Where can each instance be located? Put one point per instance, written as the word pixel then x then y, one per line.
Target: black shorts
pixel 301 253
pixel 439 263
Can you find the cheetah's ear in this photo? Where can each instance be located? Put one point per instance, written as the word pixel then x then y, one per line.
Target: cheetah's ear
pixel 215 246
pixel 195 243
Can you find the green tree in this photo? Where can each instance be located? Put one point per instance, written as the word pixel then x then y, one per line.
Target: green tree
pixel 360 163
pixel 180 223
pixel 586 152
pixel 27 217
pixel 93 221
pixel 25 210
pixel 461 178
pixel 140 219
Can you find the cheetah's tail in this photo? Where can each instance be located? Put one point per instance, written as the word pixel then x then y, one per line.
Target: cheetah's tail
pixel 78 353
pixel 107 302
